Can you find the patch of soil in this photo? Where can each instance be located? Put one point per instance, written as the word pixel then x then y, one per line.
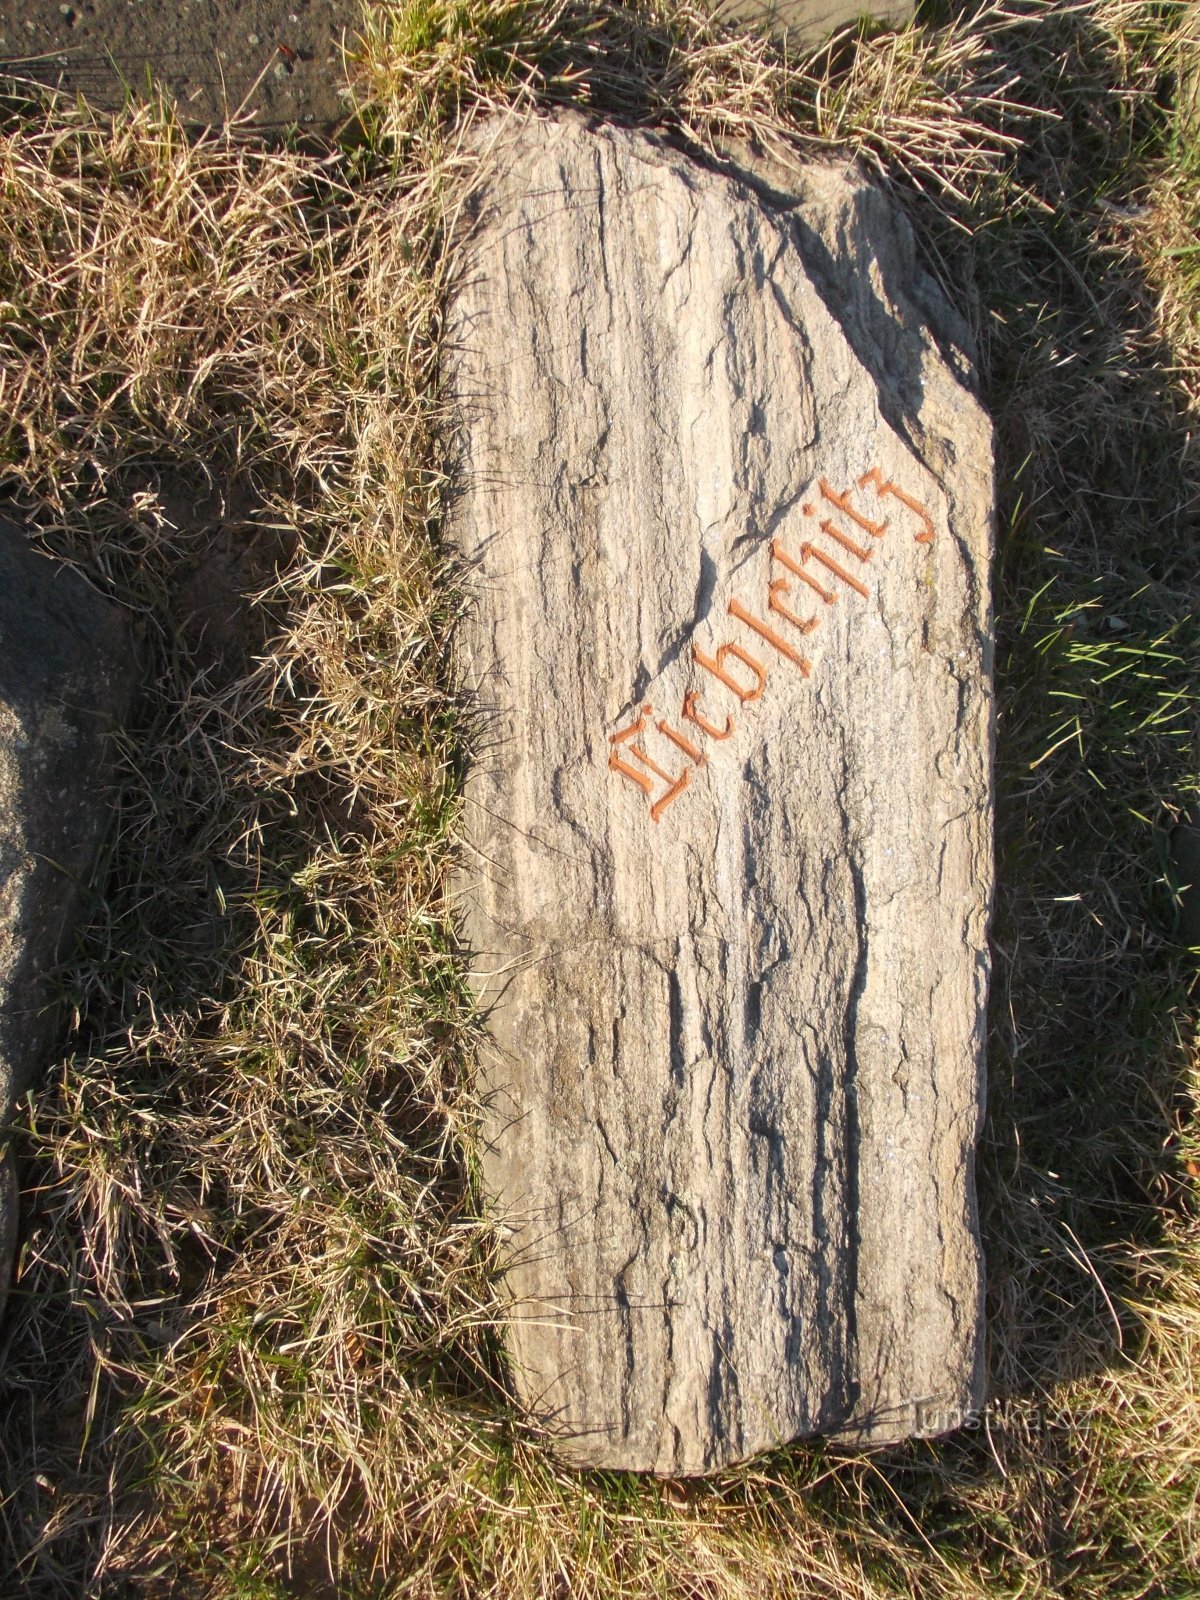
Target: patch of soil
pixel 217 623
pixel 282 58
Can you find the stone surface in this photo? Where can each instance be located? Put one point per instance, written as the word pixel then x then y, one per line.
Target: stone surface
pixel 807 22
pixel 66 673
pixel 720 457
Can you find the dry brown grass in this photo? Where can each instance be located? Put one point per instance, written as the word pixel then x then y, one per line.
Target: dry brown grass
pixel 254 1346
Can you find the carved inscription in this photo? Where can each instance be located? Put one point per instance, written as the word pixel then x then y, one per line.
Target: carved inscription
pixel 734 668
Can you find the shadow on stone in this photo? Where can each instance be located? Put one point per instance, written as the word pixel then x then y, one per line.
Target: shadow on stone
pixel 68 672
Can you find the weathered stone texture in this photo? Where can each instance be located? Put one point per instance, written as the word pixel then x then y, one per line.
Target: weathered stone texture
pixel 66 673
pixel 735 960
pixel 807 22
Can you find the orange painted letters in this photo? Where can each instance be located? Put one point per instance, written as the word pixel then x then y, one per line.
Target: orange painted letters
pixel 717 668
pixel 792 565
pixel 884 487
pixel 617 763
pixel 777 641
pixel 701 721
pixel 782 586
pixel 845 541
pixel 836 568
pixel 842 502
pixel 681 741
pixel 627 754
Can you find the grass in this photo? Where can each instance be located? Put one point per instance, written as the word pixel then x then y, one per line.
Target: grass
pixel 254 1344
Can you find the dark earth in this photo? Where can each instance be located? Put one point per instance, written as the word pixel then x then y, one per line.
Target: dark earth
pixel 277 63
pixel 280 62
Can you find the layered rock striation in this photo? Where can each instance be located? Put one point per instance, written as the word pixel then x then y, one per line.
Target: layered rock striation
pixel 724 508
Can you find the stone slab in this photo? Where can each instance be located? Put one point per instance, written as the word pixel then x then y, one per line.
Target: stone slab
pixel 67 673
pixel 808 22
pixel 724 506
